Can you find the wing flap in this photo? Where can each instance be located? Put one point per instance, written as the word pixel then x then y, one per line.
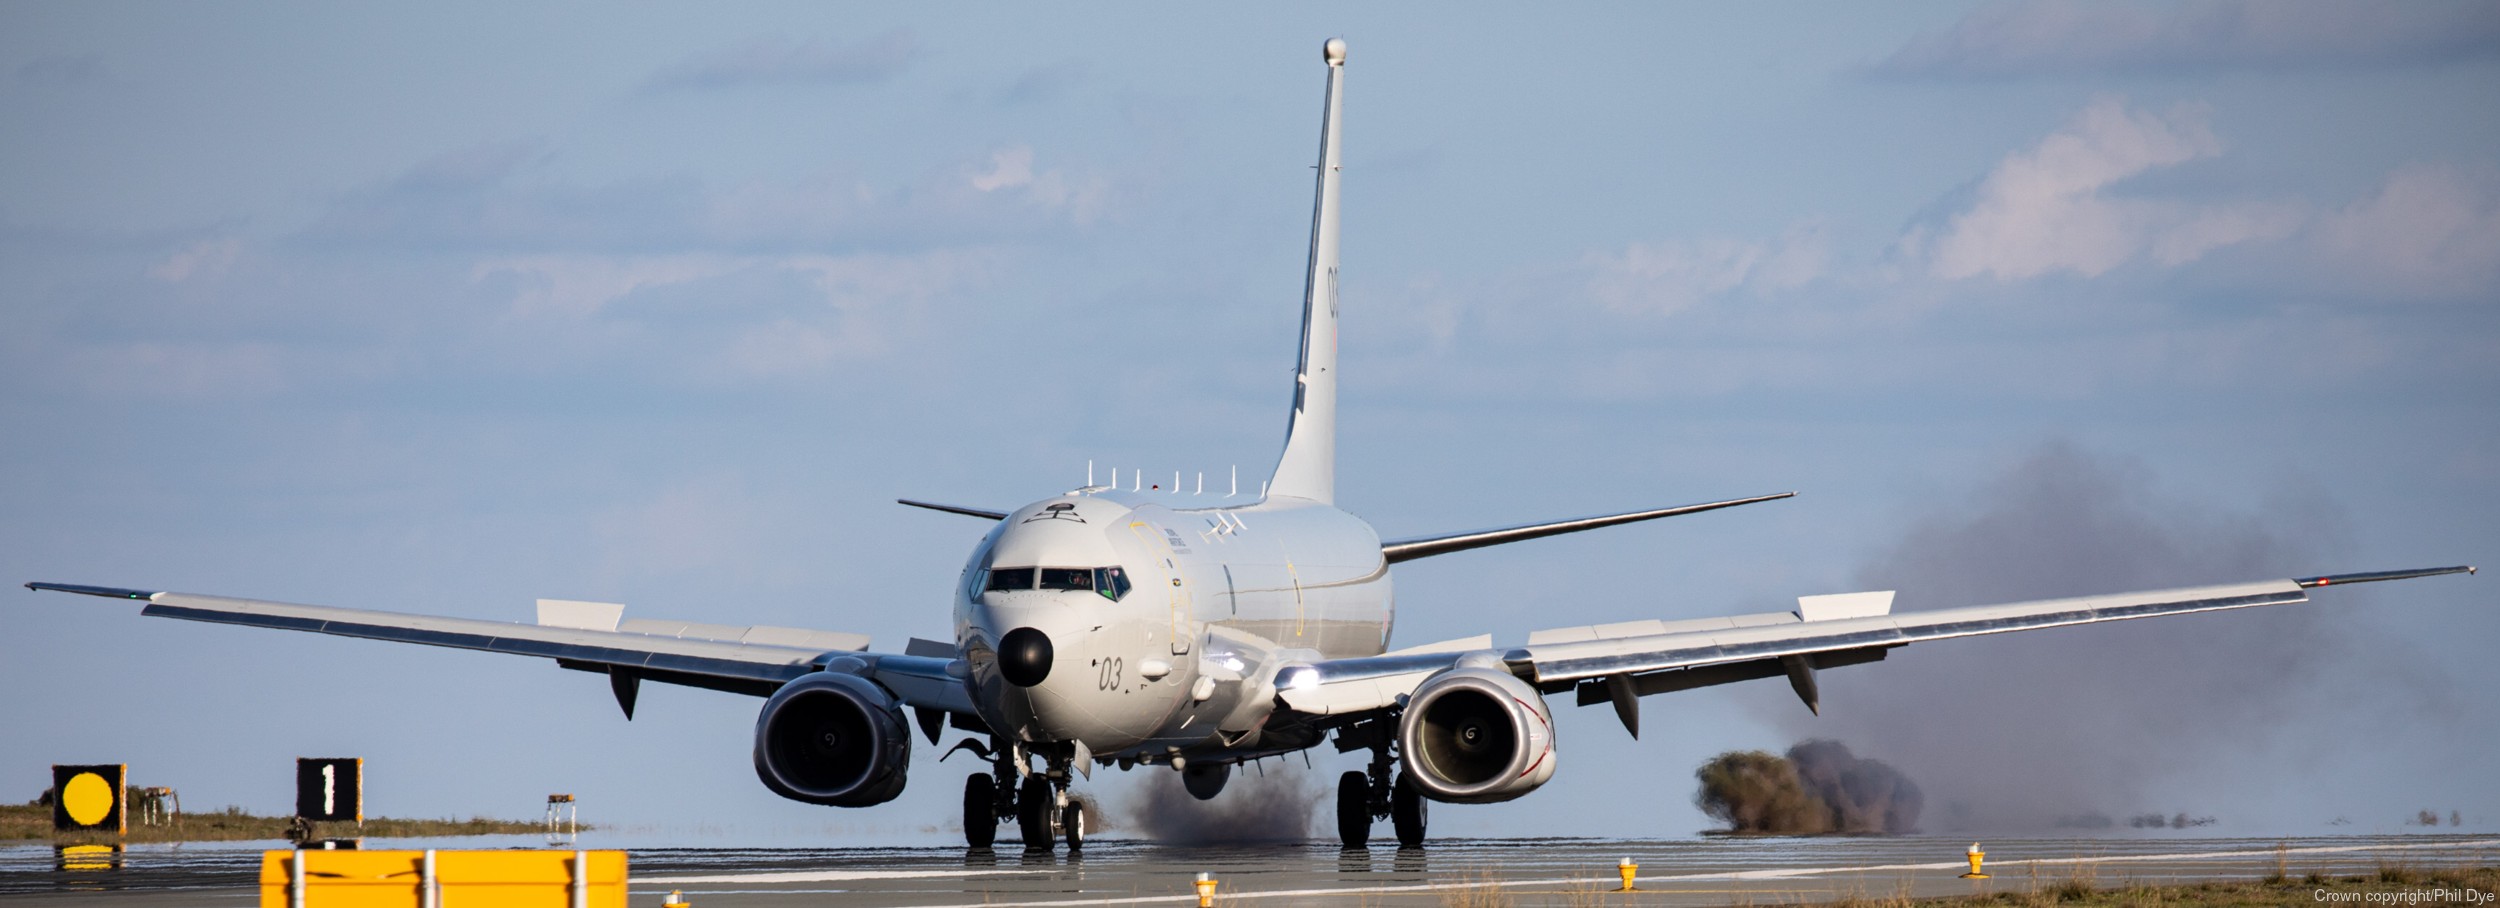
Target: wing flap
pixel 1631 655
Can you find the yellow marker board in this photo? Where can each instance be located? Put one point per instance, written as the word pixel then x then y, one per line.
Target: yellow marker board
pixel 394 879
pixel 90 798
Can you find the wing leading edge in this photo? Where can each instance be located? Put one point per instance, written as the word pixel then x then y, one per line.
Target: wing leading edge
pixel 663 651
pixel 1617 663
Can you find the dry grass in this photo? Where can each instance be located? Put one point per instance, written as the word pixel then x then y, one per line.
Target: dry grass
pixel 2079 888
pixel 1476 889
pixel 1860 898
pixel 31 822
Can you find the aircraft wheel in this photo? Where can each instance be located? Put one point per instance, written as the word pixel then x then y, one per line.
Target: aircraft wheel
pixel 1072 820
pixel 1033 803
pixel 1407 810
pixel 1354 809
pixel 980 810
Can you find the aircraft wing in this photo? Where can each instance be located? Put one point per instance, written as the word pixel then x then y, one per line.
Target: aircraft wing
pixel 595 637
pixel 1619 662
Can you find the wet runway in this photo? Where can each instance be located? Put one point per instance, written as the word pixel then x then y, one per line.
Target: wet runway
pixel 1542 871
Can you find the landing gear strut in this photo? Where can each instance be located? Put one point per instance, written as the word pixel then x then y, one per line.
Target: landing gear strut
pixel 1366 795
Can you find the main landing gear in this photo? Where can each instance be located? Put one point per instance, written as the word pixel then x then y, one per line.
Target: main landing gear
pixel 1367 795
pixel 1040 804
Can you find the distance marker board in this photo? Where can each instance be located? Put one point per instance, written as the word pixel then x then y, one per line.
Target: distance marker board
pixel 330 790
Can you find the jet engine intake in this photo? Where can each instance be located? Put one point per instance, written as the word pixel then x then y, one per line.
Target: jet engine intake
pixel 832 738
pixel 1476 734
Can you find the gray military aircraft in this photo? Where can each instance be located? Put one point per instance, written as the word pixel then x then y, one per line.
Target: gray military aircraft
pixel 1105 627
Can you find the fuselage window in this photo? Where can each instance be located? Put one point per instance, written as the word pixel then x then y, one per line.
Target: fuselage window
pixel 1067 578
pixel 1007 579
pixel 1111 582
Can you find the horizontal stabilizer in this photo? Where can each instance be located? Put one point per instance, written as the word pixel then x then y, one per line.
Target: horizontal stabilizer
pixel 2375 576
pixel 954 509
pixel 1398 550
pixel 108 592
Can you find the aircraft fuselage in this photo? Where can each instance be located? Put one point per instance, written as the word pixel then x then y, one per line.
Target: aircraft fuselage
pixel 1163 626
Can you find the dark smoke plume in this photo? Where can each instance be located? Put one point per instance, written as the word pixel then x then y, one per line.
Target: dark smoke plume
pixel 1861 795
pixel 1275 807
pixel 1819 787
pixel 2018 731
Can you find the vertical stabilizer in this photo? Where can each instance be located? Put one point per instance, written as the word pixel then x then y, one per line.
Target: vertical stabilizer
pixel 1308 468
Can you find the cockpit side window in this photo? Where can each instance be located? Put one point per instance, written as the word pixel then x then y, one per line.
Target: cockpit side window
pixel 1009 579
pixel 1111 582
pixel 1067 578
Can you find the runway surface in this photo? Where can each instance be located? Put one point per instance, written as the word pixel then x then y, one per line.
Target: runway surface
pixel 1543 871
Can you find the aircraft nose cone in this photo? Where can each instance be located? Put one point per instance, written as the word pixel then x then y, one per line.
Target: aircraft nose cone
pixel 1024 656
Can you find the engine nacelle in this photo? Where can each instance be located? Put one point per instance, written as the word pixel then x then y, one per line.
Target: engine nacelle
pixel 1476 734
pixel 832 738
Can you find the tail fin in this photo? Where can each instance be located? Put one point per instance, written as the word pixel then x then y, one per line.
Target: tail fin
pixel 1308 468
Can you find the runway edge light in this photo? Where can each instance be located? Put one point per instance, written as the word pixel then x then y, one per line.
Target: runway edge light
pixel 1628 870
pixel 1206 890
pixel 1976 856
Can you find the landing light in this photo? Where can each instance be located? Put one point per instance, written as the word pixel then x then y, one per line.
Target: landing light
pixel 1300 677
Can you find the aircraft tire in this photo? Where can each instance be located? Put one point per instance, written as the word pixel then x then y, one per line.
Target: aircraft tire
pixel 1407 812
pixel 980 810
pixel 1033 803
pixel 1354 810
pixel 1072 821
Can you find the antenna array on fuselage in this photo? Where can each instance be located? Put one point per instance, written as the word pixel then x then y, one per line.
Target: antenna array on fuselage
pixel 1137 483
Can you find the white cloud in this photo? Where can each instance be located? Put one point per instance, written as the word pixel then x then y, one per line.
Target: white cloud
pixel 2054 37
pixel 580 285
pixel 2197 231
pixel 2427 229
pixel 2048 209
pixel 1008 167
pixel 1673 275
pixel 1080 200
pixel 851 307
pixel 206 258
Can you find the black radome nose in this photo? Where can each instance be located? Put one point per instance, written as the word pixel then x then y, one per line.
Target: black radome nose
pixel 1024 656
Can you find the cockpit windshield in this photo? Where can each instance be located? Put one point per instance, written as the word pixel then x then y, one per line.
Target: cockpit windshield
pixel 1111 582
pixel 1005 579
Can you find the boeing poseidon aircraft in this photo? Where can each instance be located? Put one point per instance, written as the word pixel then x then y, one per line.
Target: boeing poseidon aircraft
pixel 1103 627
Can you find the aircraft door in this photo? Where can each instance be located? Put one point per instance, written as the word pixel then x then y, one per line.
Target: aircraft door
pixel 1173 550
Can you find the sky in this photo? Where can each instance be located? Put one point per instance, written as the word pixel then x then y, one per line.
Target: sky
pixel 447 308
